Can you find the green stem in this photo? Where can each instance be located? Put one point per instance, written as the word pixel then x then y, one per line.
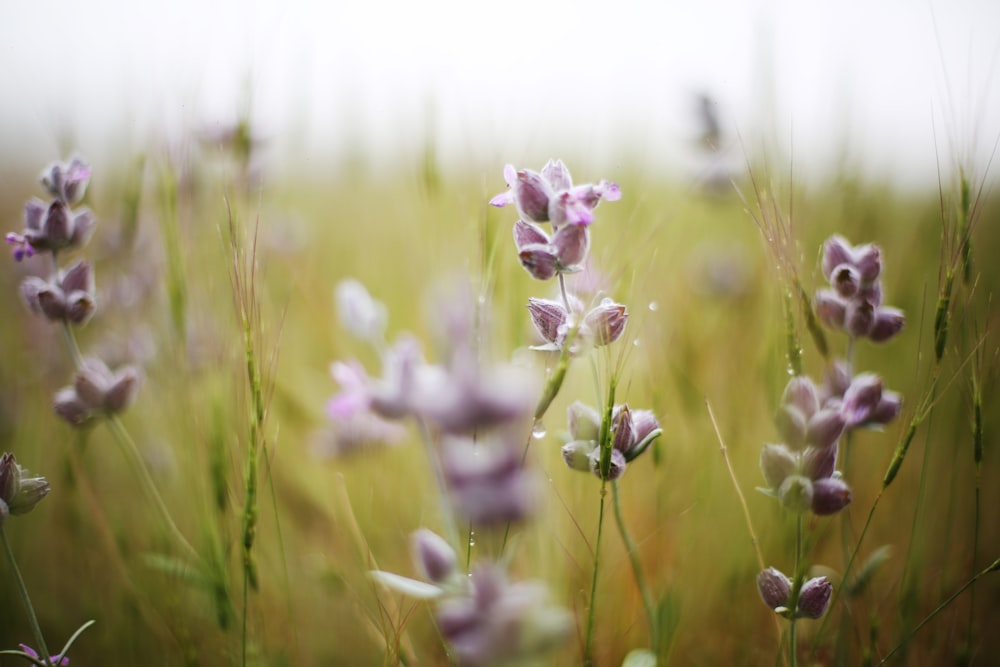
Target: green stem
pixel 132 453
pixel 587 657
pixel 796 588
pixel 640 579
pixel 35 628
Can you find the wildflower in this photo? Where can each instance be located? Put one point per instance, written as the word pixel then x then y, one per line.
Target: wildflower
pixel 774 587
pixel 545 256
pixel 551 197
pixel 361 315
pixel 632 431
pixel 97 390
pixel 486 480
pixel 863 400
pixel 19 491
pixel 56 660
pixel 70 298
pixel 50 228
pixel 814 597
pixel 499 622
pixel 853 304
pixel 67 182
pixel 801 419
pixel 601 325
pixel 433 555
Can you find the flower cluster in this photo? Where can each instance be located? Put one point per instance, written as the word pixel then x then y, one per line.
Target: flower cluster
pixel 800 472
pixel 69 296
pixel 484 618
pixel 19 491
pixel 55 226
pixel 776 592
pixel 632 431
pixel 467 402
pixel 551 197
pixel 853 303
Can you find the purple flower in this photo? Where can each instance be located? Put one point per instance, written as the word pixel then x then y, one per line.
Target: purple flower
pixel 774 587
pixel 551 197
pixel 632 431
pixel 500 622
pixel 486 480
pixel 19 490
pixel 67 182
pixel 814 597
pixel 602 325
pixel 57 660
pixel 70 298
pixel 543 256
pixel 50 228
pixel 433 555
pixel 97 390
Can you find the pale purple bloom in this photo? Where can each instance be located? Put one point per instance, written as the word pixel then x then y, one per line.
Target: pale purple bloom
pixel 814 597
pixel 486 480
pixel 97 390
pixel 19 490
pixel 601 325
pixel 497 622
pixel 543 256
pixel 551 197
pixel 774 587
pixel 434 557
pixel 70 298
pixel 631 432
pixel 361 315
pixel 67 182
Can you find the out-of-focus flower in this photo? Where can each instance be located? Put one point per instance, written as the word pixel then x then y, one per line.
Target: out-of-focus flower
pixel 97 390
pixel 19 490
pixel 863 400
pixel 57 660
pixel 486 480
pixel 51 228
pixel 433 555
pixel 70 298
pixel 68 181
pixel 361 315
pixel 853 304
pixel 498 622
pixel 801 420
pixel 551 197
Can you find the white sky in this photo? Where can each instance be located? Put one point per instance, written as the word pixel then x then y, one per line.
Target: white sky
pixel 498 81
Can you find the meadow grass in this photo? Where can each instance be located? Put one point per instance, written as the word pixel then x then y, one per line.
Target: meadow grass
pixel 228 421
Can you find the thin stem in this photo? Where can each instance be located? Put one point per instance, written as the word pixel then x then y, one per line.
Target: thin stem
pixel 640 579
pixel 587 657
pixel 128 446
pixel 35 628
pixel 992 568
pixel 796 589
pixel 71 344
pixel 562 291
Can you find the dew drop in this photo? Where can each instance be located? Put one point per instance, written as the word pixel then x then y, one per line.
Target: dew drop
pixel 538 430
pixel 635 343
pixel 654 306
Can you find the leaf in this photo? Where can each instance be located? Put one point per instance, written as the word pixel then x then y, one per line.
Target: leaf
pixel 416 589
pixel 640 657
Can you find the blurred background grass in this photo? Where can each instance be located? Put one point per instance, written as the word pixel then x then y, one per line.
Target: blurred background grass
pixel 706 325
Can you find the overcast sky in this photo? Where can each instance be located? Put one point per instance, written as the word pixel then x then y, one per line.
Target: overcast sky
pixel 867 79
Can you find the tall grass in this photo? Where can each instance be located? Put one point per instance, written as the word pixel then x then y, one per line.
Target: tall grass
pixel 286 538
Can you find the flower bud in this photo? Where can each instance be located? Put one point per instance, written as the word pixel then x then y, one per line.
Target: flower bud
pixel 433 555
pixel 540 260
pixel 859 317
pixel 622 434
pixel 19 491
pixel 526 234
pixel 644 422
pixel 34 212
pixel 825 428
pixel 617 467
pixel 124 387
pixel 888 408
pixel 57 227
pixel 796 493
pixel 774 587
pixel 557 175
pixel 868 260
pixel 69 406
pixel 584 422
pixel 836 251
pixel 571 243
pixel 791 424
pixel 576 454
pixel 830 308
pixel 814 597
pixel 819 463
pixel 829 496
pixel 888 323
pixel 607 321
pixel 777 463
pixel 846 279
pixel 361 315
pixel 547 316
pixel 531 196
pixel 801 393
